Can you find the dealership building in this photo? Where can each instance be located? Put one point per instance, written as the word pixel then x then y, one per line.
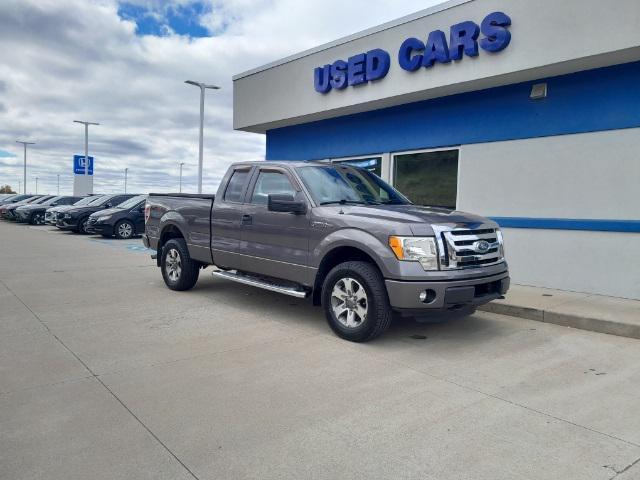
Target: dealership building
pixel 527 112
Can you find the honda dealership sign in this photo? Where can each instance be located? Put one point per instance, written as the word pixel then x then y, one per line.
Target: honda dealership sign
pixel 82 184
pixel 79 165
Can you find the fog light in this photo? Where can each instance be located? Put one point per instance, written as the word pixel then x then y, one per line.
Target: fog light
pixel 428 296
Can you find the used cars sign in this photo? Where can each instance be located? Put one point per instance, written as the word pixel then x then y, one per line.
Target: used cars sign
pixel 414 53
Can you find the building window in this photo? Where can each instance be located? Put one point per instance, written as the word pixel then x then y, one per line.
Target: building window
pixel 428 178
pixel 371 164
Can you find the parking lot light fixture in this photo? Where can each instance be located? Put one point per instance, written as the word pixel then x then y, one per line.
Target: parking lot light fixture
pixel 24 144
pixel 125 179
pixel 180 187
pixel 202 87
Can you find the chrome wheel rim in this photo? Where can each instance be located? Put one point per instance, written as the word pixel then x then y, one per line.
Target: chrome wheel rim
pixel 125 230
pixel 173 265
pixel 349 302
pixel 39 220
pixel 84 225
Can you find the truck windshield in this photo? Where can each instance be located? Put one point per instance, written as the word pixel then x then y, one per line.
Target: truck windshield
pixel 342 184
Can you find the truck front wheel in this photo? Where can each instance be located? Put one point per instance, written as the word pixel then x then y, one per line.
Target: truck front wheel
pixel 355 301
pixel 178 270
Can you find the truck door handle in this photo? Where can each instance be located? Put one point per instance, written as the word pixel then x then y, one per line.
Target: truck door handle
pixel 247 219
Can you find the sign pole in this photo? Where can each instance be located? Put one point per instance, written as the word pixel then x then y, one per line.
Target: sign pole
pixel 86 153
pixel 24 173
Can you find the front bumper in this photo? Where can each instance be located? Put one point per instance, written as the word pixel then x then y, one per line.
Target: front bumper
pixel 99 229
pixel 9 215
pixel 50 218
pixel 21 216
pixel 447 295
pixel 67 223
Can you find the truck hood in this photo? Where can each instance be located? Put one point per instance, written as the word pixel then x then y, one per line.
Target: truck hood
pixel 419 218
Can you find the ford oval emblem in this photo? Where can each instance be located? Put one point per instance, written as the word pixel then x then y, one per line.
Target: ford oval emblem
pixel 481 246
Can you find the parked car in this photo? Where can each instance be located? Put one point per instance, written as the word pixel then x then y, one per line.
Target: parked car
pixel 12 198
pixel 76 218
pixel 15 199
pixel 339 233
pixel 51 214
pixel 34 213
pixel 8 211
pixel 123 221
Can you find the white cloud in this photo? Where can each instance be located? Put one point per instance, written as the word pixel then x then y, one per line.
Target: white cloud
pixel 77 59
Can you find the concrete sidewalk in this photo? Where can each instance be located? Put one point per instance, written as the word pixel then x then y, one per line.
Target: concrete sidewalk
pixel 596 313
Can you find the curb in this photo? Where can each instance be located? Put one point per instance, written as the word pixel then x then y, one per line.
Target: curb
pixel 591 324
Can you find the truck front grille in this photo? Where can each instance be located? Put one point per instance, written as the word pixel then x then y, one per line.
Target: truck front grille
pixel 468 247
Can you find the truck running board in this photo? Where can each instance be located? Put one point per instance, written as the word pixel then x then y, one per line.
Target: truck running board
pixel 261 283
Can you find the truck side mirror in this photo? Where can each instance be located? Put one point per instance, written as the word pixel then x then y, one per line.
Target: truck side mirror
pixel 282 202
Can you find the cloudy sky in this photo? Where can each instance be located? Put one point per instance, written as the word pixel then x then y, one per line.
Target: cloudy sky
pixel 123 64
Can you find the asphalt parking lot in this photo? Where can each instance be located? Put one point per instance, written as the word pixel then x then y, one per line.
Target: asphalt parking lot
pixel 107 374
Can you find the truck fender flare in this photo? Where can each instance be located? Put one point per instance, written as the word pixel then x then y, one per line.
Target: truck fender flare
pixel 354 238
pixel 168 222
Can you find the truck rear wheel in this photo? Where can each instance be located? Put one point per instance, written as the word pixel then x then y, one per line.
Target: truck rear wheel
pixel 355 301
pixel 178 270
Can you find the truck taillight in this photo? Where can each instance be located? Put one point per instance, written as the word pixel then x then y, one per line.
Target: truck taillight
pixel 147 212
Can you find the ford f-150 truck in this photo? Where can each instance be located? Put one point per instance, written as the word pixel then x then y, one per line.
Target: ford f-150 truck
pixel 334 232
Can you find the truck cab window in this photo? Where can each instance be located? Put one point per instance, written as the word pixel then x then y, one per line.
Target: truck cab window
pixel 235 187
pixel 270 183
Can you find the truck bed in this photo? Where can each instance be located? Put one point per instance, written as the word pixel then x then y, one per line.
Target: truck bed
pixel 185 213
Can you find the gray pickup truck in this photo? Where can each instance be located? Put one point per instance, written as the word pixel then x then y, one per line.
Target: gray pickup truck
pixel 334 232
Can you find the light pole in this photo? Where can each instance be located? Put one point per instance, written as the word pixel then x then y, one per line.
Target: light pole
pixel 58 184
pixel 202 86
pixel 19 186
pixel 181 164
pixel 86 149
pixel 24 175
pixel 36 185
pixel 125 179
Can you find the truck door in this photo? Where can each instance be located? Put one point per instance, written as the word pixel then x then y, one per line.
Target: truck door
pixel 274 243
pixel 226 222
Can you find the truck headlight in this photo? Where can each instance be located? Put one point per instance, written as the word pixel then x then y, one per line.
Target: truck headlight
pixel 500 242
pixel 416 249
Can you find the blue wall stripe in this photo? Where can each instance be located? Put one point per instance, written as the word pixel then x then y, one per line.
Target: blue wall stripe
pixel 627 226
pixel 595 100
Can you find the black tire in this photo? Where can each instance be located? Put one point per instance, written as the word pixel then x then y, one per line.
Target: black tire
pixel 122 235
pixel 186 275
pixel 378 314
pixel 82 223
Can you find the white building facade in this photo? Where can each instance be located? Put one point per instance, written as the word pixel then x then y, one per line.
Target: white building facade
pixel 525 112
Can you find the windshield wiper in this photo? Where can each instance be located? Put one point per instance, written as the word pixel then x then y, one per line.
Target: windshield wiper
pixel 344 201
